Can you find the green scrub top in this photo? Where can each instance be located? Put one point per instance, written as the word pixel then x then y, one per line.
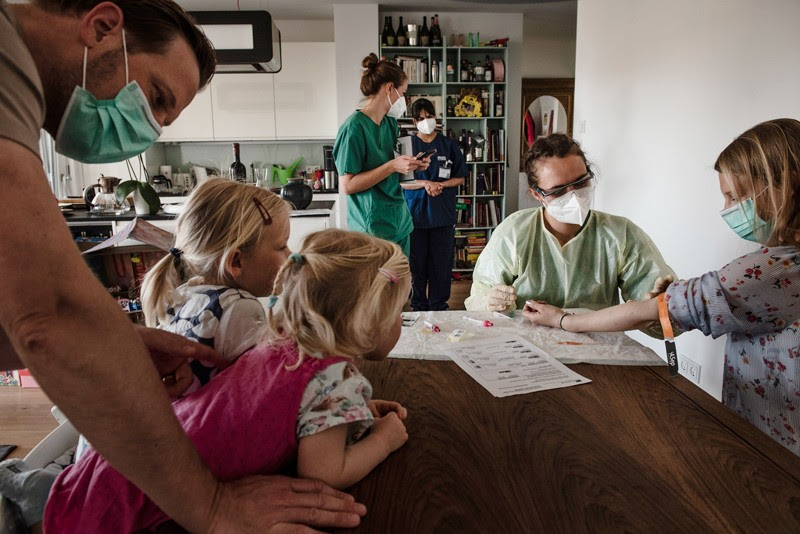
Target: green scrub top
pixel 608 256
pixel 361 145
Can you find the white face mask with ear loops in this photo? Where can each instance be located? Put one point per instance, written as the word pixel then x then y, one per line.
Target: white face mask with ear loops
pixel 426 126
pixel 397 109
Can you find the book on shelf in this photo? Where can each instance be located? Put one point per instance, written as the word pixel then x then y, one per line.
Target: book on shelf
pixel 494 214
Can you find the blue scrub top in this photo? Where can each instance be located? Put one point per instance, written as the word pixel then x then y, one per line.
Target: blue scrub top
pixel 428 211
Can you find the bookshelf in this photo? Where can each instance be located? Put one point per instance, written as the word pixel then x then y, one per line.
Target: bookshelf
pixel 480 201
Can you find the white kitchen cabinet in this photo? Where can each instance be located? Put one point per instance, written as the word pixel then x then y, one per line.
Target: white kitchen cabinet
pixel 305 92
pixel 243 107
pixel 300 227
pixel 195 123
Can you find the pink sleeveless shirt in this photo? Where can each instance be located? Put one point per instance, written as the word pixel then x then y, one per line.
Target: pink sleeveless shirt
pixel 241 423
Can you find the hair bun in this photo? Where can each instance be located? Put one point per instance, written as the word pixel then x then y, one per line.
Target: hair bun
pixel 370 62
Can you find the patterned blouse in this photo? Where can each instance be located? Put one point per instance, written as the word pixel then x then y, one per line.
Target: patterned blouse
pixel 336 395
pixel 754 299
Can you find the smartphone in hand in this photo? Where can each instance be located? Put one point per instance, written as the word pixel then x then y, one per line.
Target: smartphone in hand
pixel 423 155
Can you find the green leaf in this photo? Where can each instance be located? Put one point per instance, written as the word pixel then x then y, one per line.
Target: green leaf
pixel 150 196
pixel 124 189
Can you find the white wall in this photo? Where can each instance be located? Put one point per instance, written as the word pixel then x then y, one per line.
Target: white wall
pixel 355 28
pixel 548 49
pixel 662 88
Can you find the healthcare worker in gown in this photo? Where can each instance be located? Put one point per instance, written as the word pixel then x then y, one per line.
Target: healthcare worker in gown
pixel 564 252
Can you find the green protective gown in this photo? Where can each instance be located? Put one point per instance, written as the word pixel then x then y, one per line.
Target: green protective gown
pixel 609 256
pixel 361 145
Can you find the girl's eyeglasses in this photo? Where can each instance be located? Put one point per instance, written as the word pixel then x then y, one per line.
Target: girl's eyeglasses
pixel 580 183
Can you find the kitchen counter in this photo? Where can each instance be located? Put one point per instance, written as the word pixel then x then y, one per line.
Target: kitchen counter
pixel 317 208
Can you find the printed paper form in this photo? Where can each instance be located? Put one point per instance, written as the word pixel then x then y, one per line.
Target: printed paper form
pixel 508 366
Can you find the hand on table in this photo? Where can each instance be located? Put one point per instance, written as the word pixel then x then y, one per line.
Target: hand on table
pixel 543 314
pixel 501 297
pixel 380 408
pixel 391 430
pixel 171 354
pixel 279 504
pixel 660 286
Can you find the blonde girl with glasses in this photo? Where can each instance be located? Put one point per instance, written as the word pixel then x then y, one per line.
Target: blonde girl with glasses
pixel 294 402
pixel 754 300
pixel 565 252
pixel 230 242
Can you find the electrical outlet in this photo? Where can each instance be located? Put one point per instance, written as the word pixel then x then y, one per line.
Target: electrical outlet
pixel 690 369
pixel 582 127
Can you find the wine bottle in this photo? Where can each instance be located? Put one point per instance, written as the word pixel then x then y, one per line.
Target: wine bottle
pixel 424 33
pixel 401 34
pixel 238 170
pixel 479 72
pixel 436 33
pixel 464 71
pixel 385 32
pixel 498 104
pixel 488 75
pixel 468 148
pixel 424 69
pixel 388 37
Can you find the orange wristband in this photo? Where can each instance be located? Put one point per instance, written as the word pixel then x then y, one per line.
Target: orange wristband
pixel 669 335
pixel 663 316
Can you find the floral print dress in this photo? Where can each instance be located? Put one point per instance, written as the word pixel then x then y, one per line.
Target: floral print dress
pixel 755 300
pixel 337 395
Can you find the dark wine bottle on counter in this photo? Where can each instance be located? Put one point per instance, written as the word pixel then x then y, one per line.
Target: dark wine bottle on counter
pixel 436 33
pixel 424 33
pixel 238 170
pixel 488 75
pixel 401 34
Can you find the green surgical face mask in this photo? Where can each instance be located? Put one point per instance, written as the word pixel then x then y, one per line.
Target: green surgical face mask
pixel 743 219
pixel 105 131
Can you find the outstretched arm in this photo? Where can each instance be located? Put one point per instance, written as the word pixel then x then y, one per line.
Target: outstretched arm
pixel 631 315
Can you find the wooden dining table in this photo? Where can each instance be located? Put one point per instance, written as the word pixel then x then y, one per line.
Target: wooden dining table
pixel 634 451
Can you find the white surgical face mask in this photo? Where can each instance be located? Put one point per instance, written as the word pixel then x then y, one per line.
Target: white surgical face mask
pixel 426 126
pixel 572 207
pixel 397 109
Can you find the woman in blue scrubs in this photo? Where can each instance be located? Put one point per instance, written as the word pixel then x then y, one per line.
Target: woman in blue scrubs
pixel 432 202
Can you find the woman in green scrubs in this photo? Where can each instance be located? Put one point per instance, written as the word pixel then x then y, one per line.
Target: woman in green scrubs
pixel 365 156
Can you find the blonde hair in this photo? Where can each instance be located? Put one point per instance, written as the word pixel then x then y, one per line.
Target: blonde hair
pixel 767 158
pixel 338 294
pixel 219 217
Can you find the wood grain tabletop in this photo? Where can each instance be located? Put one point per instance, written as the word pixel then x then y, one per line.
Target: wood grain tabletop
pixel 634 451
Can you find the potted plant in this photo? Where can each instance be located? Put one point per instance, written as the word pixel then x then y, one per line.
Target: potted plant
pixel 145 198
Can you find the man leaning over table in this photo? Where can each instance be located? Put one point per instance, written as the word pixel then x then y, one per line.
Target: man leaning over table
pixel 55 317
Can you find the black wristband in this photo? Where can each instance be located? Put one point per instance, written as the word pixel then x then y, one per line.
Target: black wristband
pixel 561 321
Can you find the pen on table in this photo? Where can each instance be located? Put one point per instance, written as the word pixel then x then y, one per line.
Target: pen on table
pixel 486 322
pixel 570 343
pixel 432 326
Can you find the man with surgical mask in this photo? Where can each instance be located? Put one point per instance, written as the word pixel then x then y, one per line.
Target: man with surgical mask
pixel 103 78
pixel 565 252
